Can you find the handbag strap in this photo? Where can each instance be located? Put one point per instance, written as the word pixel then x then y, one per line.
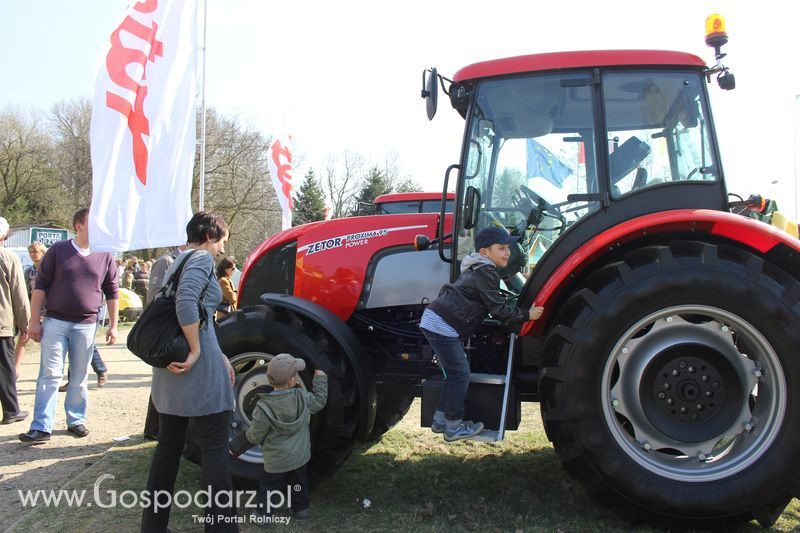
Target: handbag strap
pixel 201 303
pixel 172 282
pixel 172 285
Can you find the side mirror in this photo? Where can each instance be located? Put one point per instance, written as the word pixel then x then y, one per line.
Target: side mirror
pixel 430 90
pixel 472 207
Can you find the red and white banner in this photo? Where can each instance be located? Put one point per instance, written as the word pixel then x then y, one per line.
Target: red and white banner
pixel 279 160
pixel 143 129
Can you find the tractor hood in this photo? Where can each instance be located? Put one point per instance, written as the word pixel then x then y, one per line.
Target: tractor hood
pixel 327 262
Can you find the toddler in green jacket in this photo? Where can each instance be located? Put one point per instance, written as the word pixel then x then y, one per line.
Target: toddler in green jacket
pixel 280 425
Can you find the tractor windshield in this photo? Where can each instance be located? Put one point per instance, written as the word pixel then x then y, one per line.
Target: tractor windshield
pixel 531 164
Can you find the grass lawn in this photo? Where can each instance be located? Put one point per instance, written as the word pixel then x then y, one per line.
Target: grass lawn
pixel 413 480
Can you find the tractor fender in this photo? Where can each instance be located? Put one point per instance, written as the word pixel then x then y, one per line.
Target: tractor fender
pixel 352 347
pixel 750 233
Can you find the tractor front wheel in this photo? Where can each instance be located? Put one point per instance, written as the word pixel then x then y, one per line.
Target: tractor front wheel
pixel 251 337
pixel 666 386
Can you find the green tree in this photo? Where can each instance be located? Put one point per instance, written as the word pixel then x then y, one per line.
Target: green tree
pixel 27 170
pixel 408 185
pixel 373 185
pixel 309 201
pixel 70 121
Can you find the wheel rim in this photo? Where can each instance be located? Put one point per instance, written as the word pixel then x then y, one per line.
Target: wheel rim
pixel 693 393
pixel 251 380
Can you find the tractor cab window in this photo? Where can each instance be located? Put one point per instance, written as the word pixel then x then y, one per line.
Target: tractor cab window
pixel 529 164
pixel 657 130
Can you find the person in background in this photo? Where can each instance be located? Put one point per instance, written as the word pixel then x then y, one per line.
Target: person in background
pixel 198 390
pixel 73 280
pixel 224 273
pixel 159 270
pixel 36 251
pixel 14 313
pixel 127 279
pixel 120 268
pixel 134 265
pixel 237 274
pixel 141 280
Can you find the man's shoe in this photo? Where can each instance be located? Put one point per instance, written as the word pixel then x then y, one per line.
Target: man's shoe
pixel 102 377
pixel 16 417
pixel 300 515
pixel 79 430
pixel 464 430
pixel 438 428
pixel 63 388
pixel 35 436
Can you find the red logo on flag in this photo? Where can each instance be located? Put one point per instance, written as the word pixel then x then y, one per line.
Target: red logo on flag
pixel 283 169
pixel 117 61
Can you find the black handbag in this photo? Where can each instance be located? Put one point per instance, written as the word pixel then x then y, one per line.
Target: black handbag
pixel 157 338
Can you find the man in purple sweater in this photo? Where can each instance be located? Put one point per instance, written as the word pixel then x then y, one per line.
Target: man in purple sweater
pixel 73 281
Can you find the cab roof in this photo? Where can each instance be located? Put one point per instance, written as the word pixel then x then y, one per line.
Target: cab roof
pixel 411 196
pixel 569 60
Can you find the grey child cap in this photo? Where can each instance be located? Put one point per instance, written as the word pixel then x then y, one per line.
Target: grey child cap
pixel 282 367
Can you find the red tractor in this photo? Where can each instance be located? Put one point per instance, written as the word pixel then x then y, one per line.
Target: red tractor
pixel 665 361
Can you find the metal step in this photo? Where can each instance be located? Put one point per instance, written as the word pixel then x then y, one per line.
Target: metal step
pixel 488 379
pixel 499 379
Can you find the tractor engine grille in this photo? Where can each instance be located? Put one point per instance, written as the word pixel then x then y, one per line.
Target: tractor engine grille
pixel 273 272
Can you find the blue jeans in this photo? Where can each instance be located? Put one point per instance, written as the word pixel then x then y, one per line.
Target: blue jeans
pixel 58 338
pixel 455 368
pixel 97 364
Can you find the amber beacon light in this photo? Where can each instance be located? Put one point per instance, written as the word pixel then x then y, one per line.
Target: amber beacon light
pixel 716 37
pixel 715 32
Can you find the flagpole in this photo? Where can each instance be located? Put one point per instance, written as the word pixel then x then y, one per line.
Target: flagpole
pixel 203 116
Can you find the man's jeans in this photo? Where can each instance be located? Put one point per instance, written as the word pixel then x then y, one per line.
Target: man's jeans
pixel 58 338
pixel 455 367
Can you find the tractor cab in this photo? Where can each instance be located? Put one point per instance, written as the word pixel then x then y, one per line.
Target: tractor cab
pixel 561 142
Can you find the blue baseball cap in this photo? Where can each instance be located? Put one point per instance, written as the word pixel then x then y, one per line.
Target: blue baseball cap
pixel 493 235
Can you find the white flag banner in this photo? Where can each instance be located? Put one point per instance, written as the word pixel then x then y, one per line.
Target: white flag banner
pixel 143 129
pixel 279 161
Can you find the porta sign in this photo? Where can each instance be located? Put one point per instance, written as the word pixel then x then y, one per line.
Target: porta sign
pixel 48 236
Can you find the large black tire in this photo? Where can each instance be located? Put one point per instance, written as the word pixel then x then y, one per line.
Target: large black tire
pixel 670 385
pixel 250 337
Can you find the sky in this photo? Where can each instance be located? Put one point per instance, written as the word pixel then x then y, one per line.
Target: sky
pixel 347 75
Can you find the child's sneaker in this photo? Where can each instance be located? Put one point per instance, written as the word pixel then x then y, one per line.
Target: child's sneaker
pixel 464 430
pixel 437 427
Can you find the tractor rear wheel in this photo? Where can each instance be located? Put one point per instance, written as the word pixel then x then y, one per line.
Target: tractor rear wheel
pixel 251 337
pixel 669 385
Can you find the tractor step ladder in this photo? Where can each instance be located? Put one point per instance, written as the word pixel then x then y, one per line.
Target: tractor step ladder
pixel 497 436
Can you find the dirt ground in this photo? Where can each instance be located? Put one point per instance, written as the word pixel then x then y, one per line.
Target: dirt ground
pixel 116 410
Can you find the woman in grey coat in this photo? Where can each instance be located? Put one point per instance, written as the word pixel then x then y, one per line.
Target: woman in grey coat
pixel 199 389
